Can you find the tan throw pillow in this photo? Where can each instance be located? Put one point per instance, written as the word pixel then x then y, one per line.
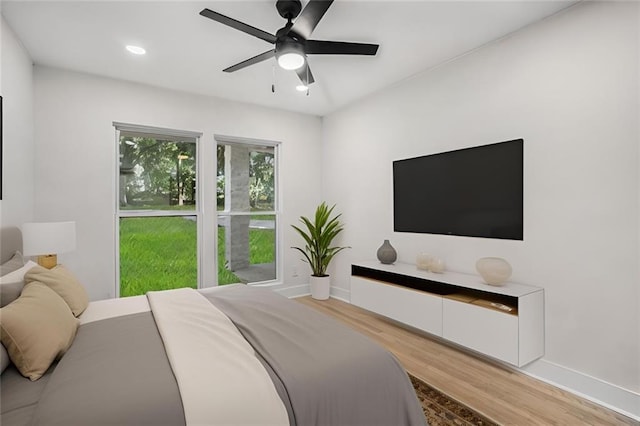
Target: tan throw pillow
pixel 62 281
pixel 37 328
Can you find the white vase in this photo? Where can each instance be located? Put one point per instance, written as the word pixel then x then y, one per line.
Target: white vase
pixel 423 261
pixel 436 265
pixel 494 270
pixel 320 287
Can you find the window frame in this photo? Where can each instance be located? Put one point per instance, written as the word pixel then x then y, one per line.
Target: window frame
pixel 277 203
pixel 164 134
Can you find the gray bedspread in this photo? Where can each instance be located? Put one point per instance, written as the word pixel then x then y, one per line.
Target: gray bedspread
pixel 117 372
pixel 19 396
pixel 332 374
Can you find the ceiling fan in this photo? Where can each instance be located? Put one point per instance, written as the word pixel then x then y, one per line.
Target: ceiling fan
pixel 292 44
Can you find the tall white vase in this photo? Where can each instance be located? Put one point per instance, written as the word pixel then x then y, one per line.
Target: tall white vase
pixel 320 287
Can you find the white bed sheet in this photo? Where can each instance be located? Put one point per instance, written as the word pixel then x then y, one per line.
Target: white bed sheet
pixel 109 308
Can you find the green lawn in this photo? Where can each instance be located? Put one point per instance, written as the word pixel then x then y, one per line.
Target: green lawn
pixel 159 253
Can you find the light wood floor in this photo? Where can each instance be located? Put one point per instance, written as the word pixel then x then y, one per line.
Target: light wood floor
pixel 504 395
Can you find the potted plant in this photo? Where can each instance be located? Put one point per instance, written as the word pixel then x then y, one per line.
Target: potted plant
pixel 318 251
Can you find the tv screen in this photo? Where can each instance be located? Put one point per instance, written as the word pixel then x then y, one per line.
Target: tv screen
pixel 473 192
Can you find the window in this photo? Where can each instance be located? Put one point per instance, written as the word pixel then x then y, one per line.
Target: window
pixel 247 211
pixel 158 209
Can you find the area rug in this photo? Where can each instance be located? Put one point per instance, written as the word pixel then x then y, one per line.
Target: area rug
pixel 442 410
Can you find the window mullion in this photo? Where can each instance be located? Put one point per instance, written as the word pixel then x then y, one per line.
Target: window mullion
pixel 156 213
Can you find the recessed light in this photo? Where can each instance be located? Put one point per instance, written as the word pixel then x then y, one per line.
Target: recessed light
pixel 302 88
pixel 136 50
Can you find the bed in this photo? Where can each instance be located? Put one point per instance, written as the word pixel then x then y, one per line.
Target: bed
pixel 229 355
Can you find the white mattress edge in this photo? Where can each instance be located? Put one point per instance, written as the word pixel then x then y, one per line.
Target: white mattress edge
pixel 111 308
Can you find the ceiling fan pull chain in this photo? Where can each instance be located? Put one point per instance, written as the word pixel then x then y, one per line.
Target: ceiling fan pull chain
pixel 273 82
pixel 307 82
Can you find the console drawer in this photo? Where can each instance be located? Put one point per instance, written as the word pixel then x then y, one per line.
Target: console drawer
pixel 415 308
pixel 485 330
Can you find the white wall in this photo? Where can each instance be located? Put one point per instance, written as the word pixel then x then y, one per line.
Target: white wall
pixel 16 88
pixel 76 149
pixel 569 87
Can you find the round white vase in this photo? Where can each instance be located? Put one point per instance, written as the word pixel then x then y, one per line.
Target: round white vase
pixel 494 270
pixel 320 287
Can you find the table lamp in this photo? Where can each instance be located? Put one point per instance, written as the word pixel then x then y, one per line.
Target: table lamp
pixel 47 239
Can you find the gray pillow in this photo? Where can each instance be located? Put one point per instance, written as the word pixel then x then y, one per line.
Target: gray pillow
pixel 10 291
pixel 16 262
pixel 11 285
pixel 4 358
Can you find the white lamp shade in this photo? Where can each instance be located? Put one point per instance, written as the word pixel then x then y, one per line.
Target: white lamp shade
pixel 45 238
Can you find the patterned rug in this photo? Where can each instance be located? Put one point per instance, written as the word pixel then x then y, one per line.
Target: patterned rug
pixel 442 410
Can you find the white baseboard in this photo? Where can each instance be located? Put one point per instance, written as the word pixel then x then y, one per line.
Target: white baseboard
pixel 341 294
pixel 591 388
pixel 305 290
pixel 294 291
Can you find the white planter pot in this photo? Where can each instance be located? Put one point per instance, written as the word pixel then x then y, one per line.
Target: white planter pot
pixel 320 287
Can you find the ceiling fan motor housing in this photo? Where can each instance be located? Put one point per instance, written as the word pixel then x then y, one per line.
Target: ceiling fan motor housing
pixel 289 44
pixel 289 9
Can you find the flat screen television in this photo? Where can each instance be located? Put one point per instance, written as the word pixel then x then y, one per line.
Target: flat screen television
pixel 473 192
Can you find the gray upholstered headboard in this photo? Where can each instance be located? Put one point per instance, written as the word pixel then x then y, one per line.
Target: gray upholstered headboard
pixel 10 241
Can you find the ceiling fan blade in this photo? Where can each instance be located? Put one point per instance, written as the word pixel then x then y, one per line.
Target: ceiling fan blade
pixel 258 58
pixel 321 47
pixel 305 75
pixel 241 26
pixel 309 17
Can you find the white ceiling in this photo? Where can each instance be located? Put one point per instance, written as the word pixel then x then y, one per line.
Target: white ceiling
pixel 187 52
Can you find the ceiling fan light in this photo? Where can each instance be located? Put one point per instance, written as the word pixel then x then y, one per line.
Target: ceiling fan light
pixel 291 60
pixel 302 88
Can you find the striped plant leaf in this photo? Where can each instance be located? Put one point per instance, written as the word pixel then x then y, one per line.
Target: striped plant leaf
pixel 318 236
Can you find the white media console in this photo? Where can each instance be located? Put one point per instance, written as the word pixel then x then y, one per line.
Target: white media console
pixel 505 322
